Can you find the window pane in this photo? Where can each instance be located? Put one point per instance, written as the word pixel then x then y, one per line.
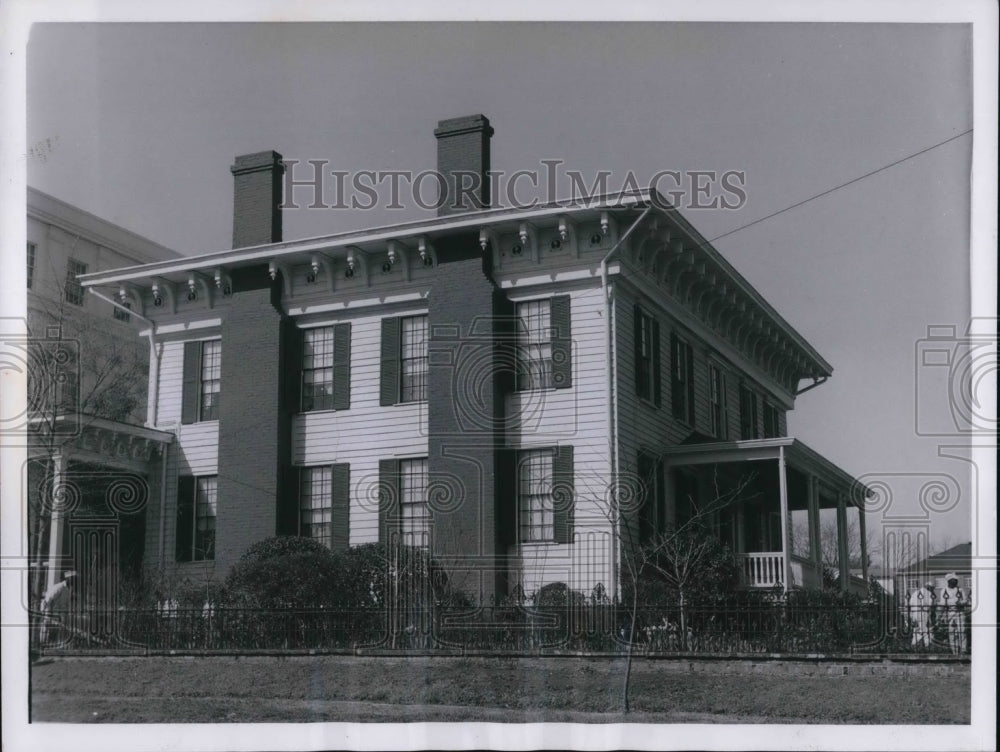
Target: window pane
pixel 205 511
pixel 73 289
pixel 315 503
pixel 31 264
pixel 211 374
pixel 317 369
pixel 413 502
pixel 413 357
pixel 534 351
pixel 535 496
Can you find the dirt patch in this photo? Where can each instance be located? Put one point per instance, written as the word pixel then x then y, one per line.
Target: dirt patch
pixel 345 688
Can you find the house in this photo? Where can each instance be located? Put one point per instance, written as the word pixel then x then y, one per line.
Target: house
pixel 957 560
pixel 87 373
pixel 527 392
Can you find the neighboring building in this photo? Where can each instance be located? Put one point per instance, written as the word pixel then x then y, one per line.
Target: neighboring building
pixel 481 383
pixel 957 560
pixel 87 374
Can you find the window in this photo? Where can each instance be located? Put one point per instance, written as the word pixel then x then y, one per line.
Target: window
pixel 543 344
pixel 121 315
pixel 202 381
pixel 534 346
pixel 413 502
pixel 31 265
pixel 717 402
pixel 771 428
pixel 535 496
pixel 315 493
pixel 211 374
pixel 73 289
pixel 647 356
pixel 682 380
pixel 317 369
pixel 204 518
pixel 652 515
pixel 748 413
pixel 413 359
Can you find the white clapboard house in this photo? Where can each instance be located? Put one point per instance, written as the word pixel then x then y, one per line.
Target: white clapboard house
pixel 527 392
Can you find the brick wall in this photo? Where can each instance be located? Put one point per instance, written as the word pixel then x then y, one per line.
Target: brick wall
pixel 256 198
pixel 464 145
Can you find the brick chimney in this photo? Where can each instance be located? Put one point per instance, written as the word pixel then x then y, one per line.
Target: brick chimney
pixel 463 158
pixel 257 199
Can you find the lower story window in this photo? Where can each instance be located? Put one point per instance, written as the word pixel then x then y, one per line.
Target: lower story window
pixel 413 502
pixel 206 501
pixel 314 503
pixel 534 484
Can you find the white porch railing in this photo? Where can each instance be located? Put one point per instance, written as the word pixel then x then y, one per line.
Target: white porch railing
pixel 761 570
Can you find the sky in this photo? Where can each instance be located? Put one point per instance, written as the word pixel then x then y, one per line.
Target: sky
pixel 140 123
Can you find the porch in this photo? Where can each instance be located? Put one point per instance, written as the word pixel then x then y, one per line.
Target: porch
pixel 789 514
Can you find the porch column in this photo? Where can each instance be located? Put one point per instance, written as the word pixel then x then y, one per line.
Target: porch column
pixel 845 574
pixel 864 546
pixel 783 495
pixel 57 496
pixel 815 550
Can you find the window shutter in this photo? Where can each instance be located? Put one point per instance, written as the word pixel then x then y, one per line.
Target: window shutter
pixel 293 368
pixel 690 383
pixel 675 395
pixel 190 395
pixel 656 363
pixel 562 494
pixel 506 499
pixel 637 349
pixel 287 522
pixel 644 467
pixel 185 518
pixel 340 507
pixel 341 366
pixel 562 363
pixel 388 501
pixel 389 384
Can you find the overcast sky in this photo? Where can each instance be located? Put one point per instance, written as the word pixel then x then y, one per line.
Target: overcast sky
pixel 140 123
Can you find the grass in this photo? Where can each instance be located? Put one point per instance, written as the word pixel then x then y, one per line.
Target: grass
pixel 345 688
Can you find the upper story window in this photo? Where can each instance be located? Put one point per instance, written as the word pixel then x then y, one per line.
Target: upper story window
pixel 31 265
pixel 772 429
pixel 748 413
pixel 326 368
pixel 73 288
pixel 681 380
pixel 413 359
pixel 543 344
pixel 647 356
pixel 121 315
pixel 202 386
pixel 717 402
pixel 317 368
pixel 413 509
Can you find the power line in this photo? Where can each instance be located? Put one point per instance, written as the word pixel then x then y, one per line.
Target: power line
pixel 842 185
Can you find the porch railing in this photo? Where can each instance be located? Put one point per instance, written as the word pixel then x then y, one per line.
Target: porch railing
pixel 762 569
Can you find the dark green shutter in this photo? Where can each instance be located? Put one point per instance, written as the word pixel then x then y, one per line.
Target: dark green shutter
pixel 690 383
pixel 341 366
pixel 644 467
pixel 660 508
pixel 293 368
pixel 506 499
pixel 656 363
pixel 637 369
pixel 190 395
pixel 388 501
pixel 340 512
pixel 185 518
pixel 389 383
pixel 675 386
pixel 562 482
pixel 287 521
pixel 562 363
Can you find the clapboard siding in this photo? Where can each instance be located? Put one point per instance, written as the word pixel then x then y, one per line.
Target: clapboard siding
pixel 365 432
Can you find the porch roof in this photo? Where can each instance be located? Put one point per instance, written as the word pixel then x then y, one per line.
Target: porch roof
pixel 796 453
pixel 90 438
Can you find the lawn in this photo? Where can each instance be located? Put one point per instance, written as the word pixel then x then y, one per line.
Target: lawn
pixel 345 688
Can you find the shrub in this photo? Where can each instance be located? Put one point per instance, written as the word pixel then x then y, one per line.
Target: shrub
pixel 284 572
